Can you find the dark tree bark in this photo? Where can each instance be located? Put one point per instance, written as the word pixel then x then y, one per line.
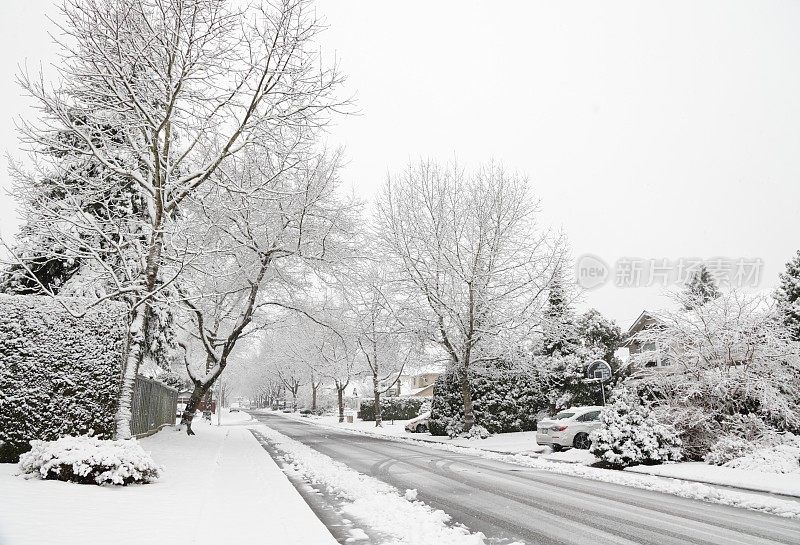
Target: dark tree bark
pixel 340 399
pixel 198 393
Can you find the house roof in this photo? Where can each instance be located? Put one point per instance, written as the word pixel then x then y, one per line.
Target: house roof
pixel 640 323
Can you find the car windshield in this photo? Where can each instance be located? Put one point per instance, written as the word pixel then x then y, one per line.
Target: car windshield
pixel 564 415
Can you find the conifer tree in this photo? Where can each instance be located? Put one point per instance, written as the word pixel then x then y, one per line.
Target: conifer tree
pixel 700 289
pixel 788 296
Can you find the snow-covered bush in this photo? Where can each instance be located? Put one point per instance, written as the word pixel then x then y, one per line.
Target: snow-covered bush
pixel 630 435
pixel 503 401
pixel 392 408
pixel 736 371
pixel 780 458
pixel 59 375
pixel 729 448
pixel 89 460
pixel 425 407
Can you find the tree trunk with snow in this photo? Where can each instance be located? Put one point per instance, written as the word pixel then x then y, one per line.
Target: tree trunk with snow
pixel 340 400
pixel 376 392
pixel 198 393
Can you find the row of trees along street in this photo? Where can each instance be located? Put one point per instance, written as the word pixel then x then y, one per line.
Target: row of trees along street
pixel 176 163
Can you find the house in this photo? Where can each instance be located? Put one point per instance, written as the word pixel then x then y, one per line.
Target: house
pixel 419 384
pixel 638 351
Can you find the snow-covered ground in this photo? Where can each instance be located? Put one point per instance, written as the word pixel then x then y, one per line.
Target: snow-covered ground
pixel 694 483
pixel 759 481
pixel 392 513
pixel 219 486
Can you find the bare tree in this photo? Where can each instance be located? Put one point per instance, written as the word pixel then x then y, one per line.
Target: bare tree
pixel 336 353
pixel 468 249
pixel 375 320
pixel 270 228
pixel 162 94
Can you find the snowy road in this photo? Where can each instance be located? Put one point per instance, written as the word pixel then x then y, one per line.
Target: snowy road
pixel 508 502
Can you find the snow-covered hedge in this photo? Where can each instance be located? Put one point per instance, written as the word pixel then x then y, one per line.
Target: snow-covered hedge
pixel 59 375
pixel 89 460
pixel 630 435
pixel 392 408
pixel 503 401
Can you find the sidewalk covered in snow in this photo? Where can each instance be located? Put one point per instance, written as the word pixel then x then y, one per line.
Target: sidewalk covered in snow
pixel 219 486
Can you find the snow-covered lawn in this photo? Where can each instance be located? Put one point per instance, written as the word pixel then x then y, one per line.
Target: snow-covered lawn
pixel 759 481
pixel 380 506
pixel 219 486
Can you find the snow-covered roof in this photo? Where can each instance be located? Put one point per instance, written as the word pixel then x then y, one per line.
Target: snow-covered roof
pixel 644 318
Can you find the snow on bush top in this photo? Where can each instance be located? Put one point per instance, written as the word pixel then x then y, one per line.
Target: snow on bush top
pixel 59 375
pixel 90 460
pixel 781 458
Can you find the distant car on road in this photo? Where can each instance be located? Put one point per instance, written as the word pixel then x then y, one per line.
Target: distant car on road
pixel 569 428
pixel 418 424
pixel 234 409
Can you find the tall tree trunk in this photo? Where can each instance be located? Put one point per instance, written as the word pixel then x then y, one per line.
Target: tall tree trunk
pixel 340 399
pixel 376 393
pixel 136 333
pixel 191 407
pixel 466 396
pixel 294 398
pixel 314 397
pixel 138 330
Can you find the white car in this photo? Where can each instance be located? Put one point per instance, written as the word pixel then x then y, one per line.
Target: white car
pixel 569 428
pixel 418 424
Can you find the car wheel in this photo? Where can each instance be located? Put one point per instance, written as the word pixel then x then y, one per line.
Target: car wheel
pixel 556 447
pixel 422 428
pixel 581 441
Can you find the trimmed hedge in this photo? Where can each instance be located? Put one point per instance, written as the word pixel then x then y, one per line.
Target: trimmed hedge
pixel 59 375
pixel 392 408
pixel 502 401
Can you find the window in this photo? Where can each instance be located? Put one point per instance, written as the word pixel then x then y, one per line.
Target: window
pixel 564 415
pixel 589 417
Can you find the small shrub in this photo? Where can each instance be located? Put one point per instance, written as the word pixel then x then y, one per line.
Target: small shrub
pixel 89 460
pixel 631 435
pixel 729 448
pixel 425 407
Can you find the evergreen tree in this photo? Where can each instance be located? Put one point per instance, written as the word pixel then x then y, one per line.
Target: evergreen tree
pixel 111 201
pixel 788 296
pixel 558 324
pixel 700 289
pixel 597 333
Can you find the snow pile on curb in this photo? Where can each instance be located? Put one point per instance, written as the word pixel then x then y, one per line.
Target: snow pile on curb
pixel 784 458
pixel 89 460
pixel 377 504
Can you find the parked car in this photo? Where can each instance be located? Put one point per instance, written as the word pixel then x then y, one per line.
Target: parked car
pixel 569 428
pixel 418 424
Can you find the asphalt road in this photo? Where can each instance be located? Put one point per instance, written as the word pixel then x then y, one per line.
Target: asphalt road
pixel 509 502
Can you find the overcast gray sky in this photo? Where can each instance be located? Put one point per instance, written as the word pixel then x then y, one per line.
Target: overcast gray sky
pixel 649 130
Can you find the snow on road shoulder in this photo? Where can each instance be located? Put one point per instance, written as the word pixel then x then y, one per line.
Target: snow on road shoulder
pixel 381 506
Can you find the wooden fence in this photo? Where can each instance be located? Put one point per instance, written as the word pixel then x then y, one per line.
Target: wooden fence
pixel 154 406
